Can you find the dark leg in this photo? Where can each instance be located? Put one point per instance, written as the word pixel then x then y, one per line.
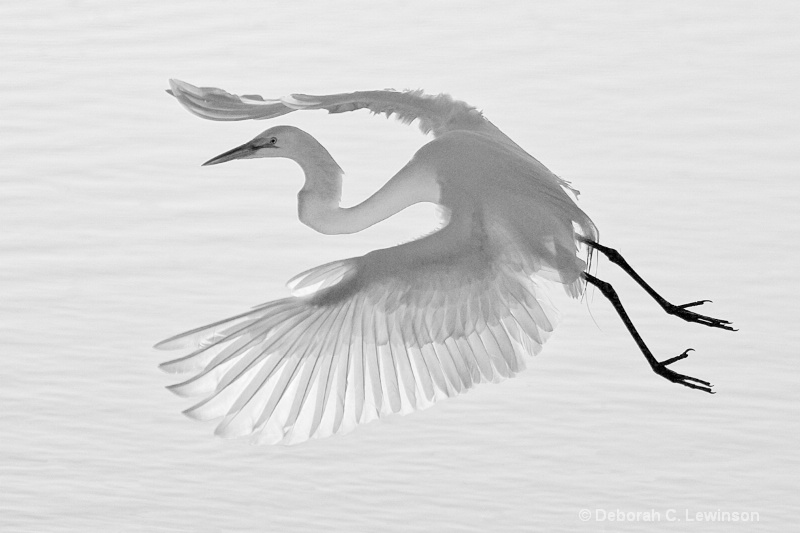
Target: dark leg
pixel 659 368
pixel 681 311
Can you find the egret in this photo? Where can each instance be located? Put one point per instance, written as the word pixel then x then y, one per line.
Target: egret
pixel 399 328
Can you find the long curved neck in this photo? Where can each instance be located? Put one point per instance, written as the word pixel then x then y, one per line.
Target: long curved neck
pixel 318 201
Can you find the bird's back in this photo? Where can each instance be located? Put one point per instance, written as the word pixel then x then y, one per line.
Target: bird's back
pixel 503 198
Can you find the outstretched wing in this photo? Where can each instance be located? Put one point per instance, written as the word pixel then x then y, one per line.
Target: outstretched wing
pixel 437 114
pixel 383 333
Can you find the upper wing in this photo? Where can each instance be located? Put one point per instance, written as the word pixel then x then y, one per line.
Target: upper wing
pixel 380 335
pixel 437 114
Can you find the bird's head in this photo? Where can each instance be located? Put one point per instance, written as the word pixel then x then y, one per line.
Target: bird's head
pixel 278 141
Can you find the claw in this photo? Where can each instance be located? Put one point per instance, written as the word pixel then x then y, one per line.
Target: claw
pixel 706 387
pixel 681 379
pixel 682 311
pixel 684 355
pixel 660 368
pixel 694 304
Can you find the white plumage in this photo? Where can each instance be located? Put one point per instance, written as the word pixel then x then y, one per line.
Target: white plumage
pixel 399 328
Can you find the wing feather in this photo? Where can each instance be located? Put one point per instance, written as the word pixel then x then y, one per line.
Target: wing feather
pixel 481 356
pixel 213 336
pixel 235 423
pixel 215 104
pixel 357 354
pixel 219 375
pixel 343 364
pixel 408 381
pixel 327 372
pixel 312 363
pixel 374 385
pixel 454 378
pixel 436 114
pixel 364 343
pixel 426 392
pixel 463 371
pixel 499 333
pixel 460 346
pixel 495 353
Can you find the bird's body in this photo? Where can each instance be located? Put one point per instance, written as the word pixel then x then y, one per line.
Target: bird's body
pixel 400 327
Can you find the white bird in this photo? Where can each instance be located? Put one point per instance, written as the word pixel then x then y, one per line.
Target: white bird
pixel 398 328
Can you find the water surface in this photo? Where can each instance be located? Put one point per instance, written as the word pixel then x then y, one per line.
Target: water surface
pixel 679 124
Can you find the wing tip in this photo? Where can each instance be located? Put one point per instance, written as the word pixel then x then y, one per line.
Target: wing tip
pixel 172 343
pixel 179 389
pixel 167 368
pixel 191 413
pixel 176 366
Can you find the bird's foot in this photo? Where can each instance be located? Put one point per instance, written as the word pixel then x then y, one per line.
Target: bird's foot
pixel 687 381
pixel 682 311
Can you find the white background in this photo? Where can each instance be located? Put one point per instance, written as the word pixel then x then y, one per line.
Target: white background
pixel 679 122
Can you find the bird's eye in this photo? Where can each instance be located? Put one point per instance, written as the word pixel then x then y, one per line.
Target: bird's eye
pixel 272 140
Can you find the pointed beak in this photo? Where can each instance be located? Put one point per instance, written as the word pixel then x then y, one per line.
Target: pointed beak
pixel 240 152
